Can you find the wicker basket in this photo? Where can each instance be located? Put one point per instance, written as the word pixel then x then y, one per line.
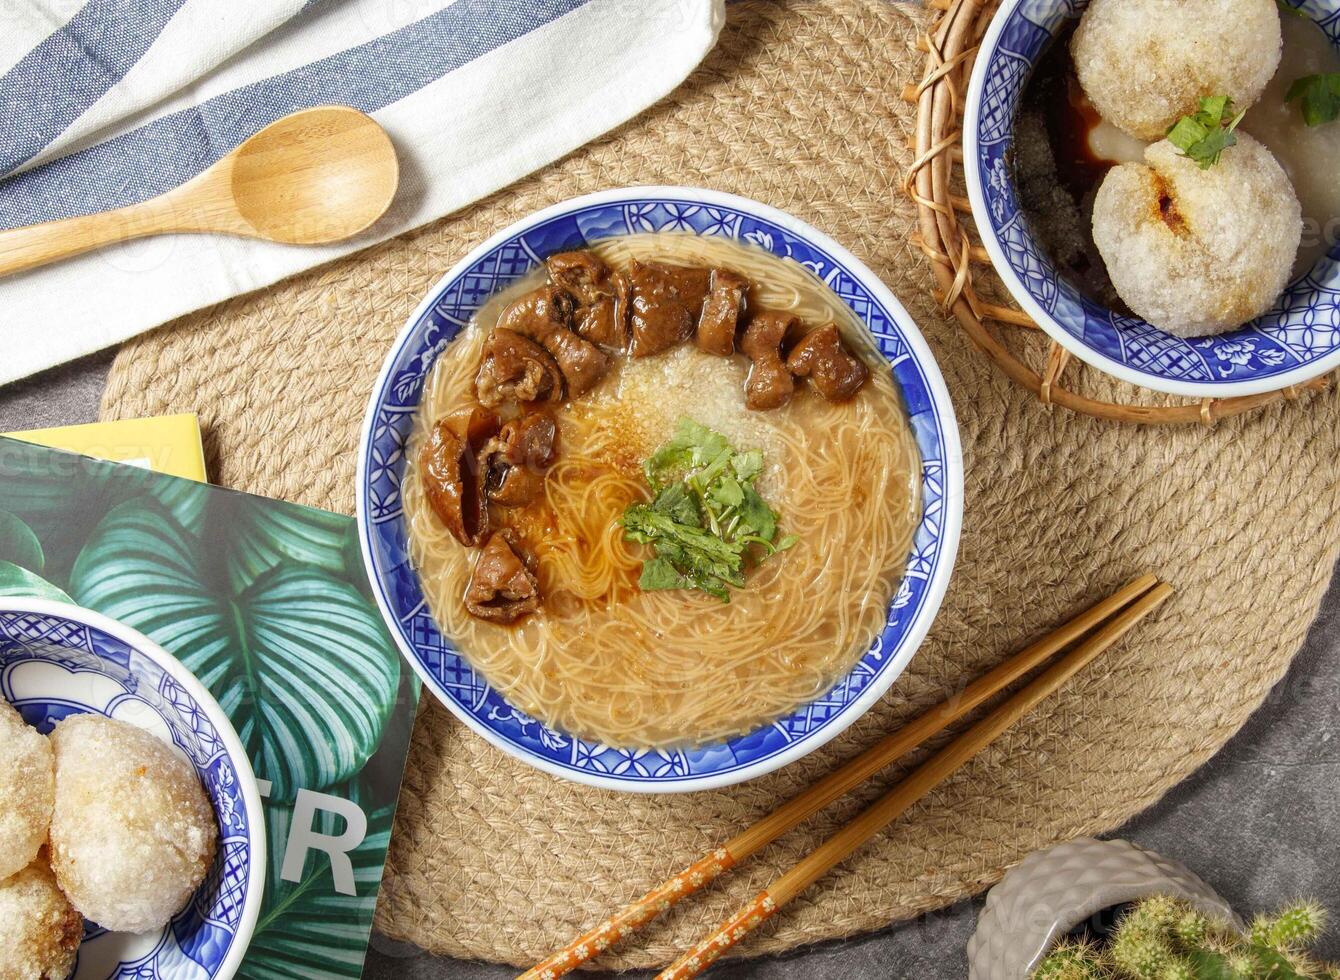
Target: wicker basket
pixel 962 267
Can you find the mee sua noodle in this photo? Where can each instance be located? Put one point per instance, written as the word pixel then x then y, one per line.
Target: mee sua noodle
pixel 606 661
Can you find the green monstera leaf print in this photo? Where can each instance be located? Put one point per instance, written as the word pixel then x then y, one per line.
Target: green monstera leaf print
pixel 298 659
pixel 22 561
pixel 258 536
pixel 62 496
pixel 307 930
pixel 17 581
pixel 19 545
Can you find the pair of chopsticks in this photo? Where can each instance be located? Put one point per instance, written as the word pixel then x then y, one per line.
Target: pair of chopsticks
pixel 1109 620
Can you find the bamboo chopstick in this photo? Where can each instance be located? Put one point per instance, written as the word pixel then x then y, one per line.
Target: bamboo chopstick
pixel 915 786
pixel 838 783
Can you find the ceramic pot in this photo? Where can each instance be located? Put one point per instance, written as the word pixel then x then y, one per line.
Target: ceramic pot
pixel 1051 891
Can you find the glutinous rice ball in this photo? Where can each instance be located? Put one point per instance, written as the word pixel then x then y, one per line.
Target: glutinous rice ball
pixel 27 790
pixel 133 832
pixel 1146 63
pixel 39 930
pixel 1195 251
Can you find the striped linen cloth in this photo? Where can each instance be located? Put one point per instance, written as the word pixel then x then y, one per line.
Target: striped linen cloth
pixel 109 102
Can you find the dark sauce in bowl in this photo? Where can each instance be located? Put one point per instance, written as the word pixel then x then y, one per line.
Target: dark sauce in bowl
pixel 1057 174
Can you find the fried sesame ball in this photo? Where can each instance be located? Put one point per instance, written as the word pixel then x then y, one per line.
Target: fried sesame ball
pixel 1196 251
pixel 1146 63
pixel 39 929
pixel 27 790
pixel 133 832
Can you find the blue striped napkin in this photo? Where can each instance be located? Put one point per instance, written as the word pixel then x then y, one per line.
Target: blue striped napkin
pixel 109 102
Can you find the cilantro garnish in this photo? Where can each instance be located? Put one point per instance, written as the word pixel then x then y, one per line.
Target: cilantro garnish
pixel 1319 97
pixel 1204 135
pixel 705 520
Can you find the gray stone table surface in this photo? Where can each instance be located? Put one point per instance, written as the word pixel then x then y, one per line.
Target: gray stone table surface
pixel 1260 821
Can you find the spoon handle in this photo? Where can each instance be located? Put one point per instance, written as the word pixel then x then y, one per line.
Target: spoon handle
pixel 202 204
pixel 27 248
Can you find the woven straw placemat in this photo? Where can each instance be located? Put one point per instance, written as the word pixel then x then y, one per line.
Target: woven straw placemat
pixel 799 107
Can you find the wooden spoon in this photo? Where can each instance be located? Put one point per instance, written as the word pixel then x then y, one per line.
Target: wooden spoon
pixel 316 176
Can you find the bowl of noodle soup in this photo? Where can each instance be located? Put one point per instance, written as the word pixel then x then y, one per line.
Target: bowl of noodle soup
pixel 623 687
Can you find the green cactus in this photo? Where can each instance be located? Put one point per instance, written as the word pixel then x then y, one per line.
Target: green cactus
pixel 1179 970
pixel 1240 966
pixel 1163 938
pixel 1139 952
pixel 1191 928
pixel 1071 961
pixel 1155 915
pixel 1292 927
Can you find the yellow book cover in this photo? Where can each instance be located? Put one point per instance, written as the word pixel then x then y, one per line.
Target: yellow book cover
pixel 165 444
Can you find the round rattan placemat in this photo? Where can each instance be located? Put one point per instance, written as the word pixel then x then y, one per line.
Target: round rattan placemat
pixel 800 107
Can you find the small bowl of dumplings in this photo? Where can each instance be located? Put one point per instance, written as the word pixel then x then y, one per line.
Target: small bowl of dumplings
pixel 1156 183
pixel 132 840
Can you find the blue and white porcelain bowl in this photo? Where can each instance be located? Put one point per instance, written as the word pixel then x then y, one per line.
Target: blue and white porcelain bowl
pixel 1297 339
pixel 448 307
pixel 58 660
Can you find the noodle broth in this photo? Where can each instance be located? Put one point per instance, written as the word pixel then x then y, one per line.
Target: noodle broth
pixel 607 662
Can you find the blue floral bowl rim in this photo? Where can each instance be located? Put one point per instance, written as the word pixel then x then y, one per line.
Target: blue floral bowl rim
pixel 250 788
pixel 952 497
pixel 981 216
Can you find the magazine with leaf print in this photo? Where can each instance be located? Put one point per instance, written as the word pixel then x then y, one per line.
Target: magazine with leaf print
pixel 266 602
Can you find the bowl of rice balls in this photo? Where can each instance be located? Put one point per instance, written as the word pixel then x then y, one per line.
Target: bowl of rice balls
pixel 1155 182
pixel 132 840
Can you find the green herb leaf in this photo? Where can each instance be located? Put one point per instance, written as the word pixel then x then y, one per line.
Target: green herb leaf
pixel 678 504
pixel 1186 133
pixel 693 446
pixel 1289 8
pixel 705 515
pixel 650 524
pixel 748 465
pixel 1207 151
pixel 658 573
pixel 727 492
pixel 756 517
pixel 1203 136
pixel 697 566
pixel 1214 107
pixel 1318 96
